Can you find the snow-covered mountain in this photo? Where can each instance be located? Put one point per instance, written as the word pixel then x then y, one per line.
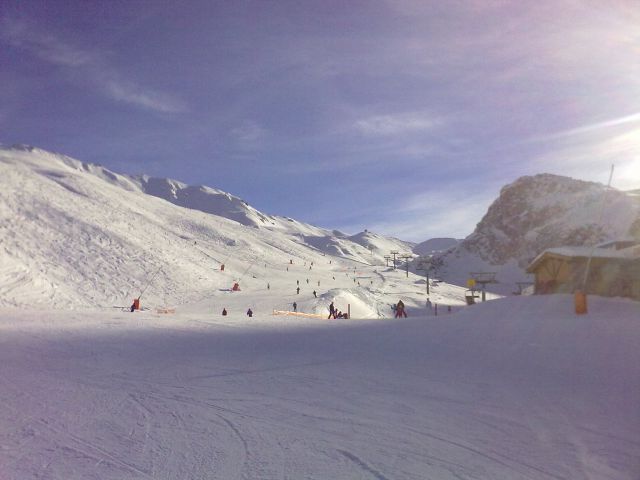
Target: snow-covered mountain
pixel 435 245
pixel 535 213
pixel 77 234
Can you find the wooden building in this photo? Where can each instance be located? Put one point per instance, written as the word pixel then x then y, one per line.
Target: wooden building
pixel 614 270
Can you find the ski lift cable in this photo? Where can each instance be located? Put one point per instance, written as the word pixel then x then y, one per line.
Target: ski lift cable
pixel 150 281
pixel 247 269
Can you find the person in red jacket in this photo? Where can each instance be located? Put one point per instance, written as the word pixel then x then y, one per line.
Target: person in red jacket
pixel 400 312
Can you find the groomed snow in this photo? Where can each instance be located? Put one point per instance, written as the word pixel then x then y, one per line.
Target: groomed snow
pixel 517 388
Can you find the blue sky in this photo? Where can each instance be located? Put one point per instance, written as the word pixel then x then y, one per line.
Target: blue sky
pixel 403 117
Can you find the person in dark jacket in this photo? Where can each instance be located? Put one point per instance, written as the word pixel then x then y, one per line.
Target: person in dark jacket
pixel 332 311
pixel 224 312
pixel 249 313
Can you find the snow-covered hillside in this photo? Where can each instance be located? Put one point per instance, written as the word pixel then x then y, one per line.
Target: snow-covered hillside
pixel 514 389
pixel 435 245
pixel 535 213
pixel 74 235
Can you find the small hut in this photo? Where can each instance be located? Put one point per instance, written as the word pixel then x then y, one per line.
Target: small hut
pixel 614 270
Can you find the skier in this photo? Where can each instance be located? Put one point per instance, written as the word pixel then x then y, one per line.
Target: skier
pixel 315 295
pixel 249 313
pixel 332 311
pixel 268 286
pixel 429 303
pixel 224 312
pixel 295 307
pixel 298 290
pixel 400 310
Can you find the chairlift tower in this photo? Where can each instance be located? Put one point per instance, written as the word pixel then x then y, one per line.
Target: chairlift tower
pixel 425 266
pixel 406 258
pixel 483 279
pixel 394 253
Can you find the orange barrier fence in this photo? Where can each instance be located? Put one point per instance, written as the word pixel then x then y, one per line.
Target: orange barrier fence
pixel 297 314
pixel 165 310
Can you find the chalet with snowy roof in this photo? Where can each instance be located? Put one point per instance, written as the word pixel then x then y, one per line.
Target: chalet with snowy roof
pixel 614 270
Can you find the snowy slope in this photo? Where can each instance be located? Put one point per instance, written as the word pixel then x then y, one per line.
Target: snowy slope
pixel 515 389
pixel 535 213
pixel 435 245
pixel 76 235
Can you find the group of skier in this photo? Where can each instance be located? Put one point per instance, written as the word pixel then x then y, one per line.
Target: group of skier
pixel 335 313
pixel 249 312
pixel 399 310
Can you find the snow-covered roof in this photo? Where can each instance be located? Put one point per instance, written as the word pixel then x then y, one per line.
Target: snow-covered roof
pixel 585 252
pixel 624 242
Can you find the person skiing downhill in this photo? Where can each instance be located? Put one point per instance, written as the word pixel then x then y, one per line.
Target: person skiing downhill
pixel 295 307
pixel 332 311
pixel 250 313
pixel 400 312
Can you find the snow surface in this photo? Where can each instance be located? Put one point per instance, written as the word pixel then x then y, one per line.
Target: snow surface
pixel 518 388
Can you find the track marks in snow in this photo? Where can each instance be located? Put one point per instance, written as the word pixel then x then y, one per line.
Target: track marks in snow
pixel 363 465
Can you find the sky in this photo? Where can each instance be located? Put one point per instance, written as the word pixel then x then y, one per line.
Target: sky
pixel 402 117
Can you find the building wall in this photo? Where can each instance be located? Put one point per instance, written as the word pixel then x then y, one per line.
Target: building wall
pixel 552 276
pixel 607 277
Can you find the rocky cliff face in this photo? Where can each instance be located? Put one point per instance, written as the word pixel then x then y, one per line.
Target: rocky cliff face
pixel 544 211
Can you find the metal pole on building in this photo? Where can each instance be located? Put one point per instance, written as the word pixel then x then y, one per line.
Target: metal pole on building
pixel 580 299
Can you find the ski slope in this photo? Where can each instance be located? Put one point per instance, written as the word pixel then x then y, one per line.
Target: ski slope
pixel 516 388
pixel 75 235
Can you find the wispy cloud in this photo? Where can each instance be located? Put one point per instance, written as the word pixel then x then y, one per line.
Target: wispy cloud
pixel 441 211
pixel 106 78
pixel 590 158
pixel 248 132
pixel 396 124
pixel 591 128
pixel 133 94
pixel 44 46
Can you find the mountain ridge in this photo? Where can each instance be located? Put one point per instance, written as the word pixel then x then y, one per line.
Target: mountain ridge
pixel 77 234
pixel 535 213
